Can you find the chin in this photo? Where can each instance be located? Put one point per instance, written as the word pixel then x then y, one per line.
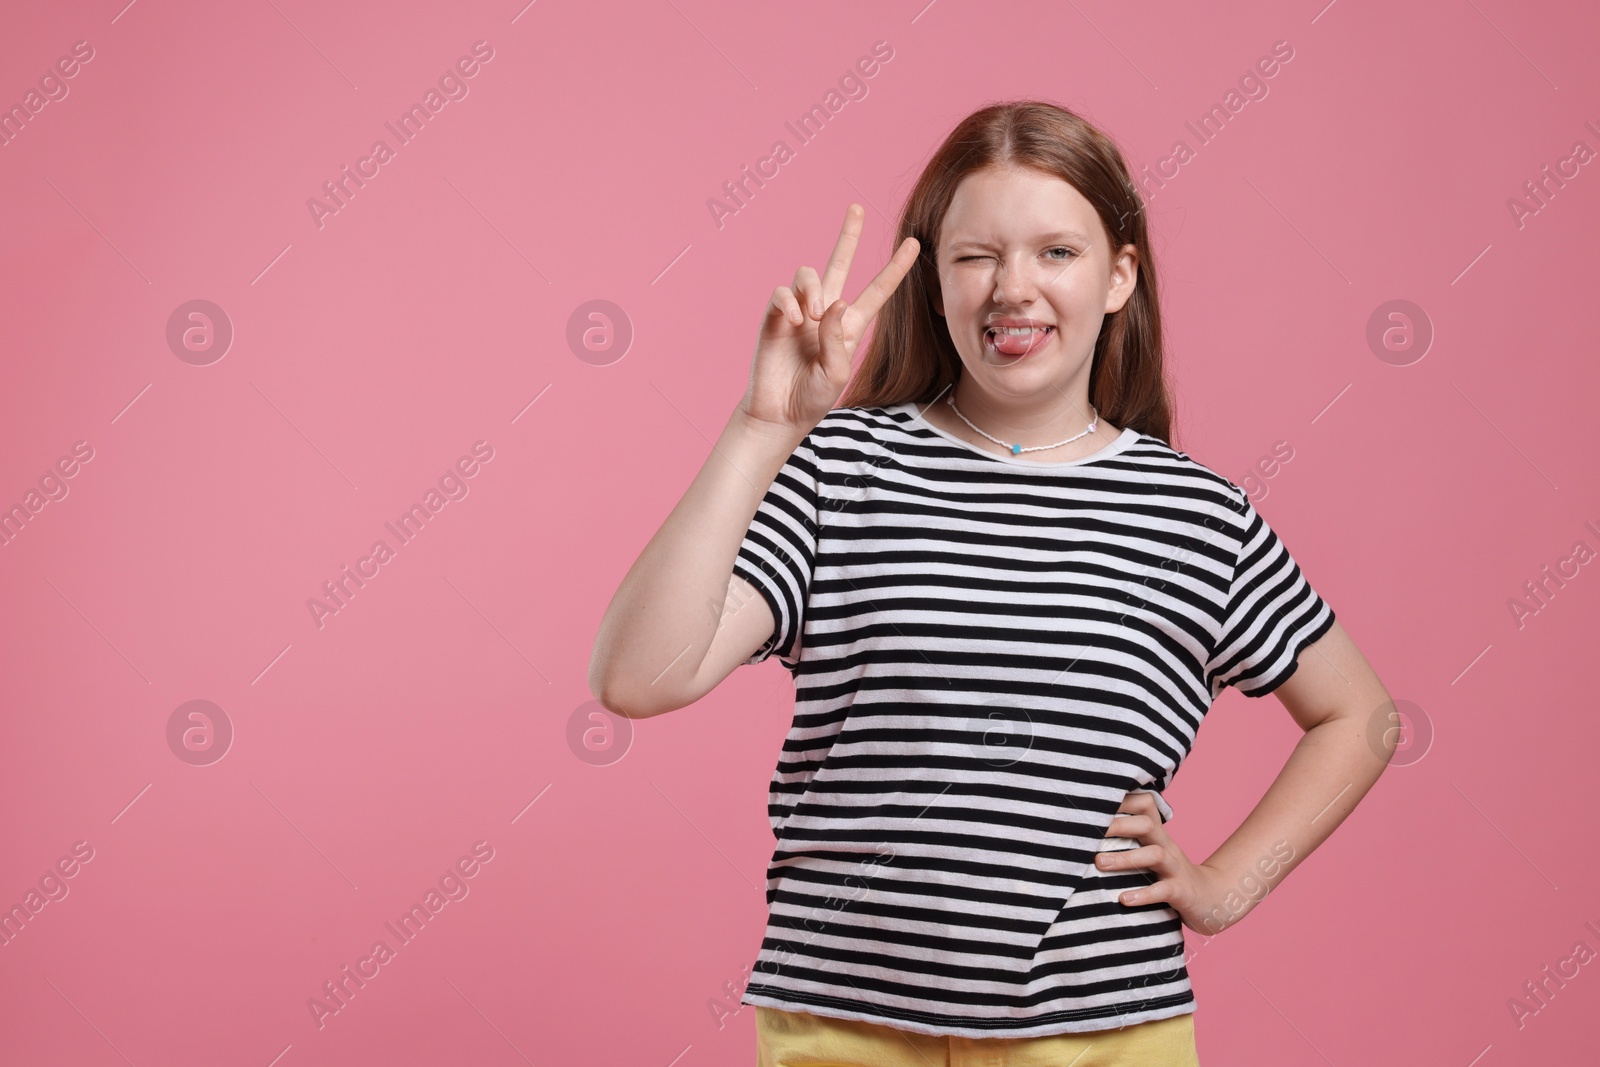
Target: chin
pixel 1041 368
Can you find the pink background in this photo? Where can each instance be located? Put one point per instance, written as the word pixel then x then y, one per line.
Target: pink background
pixel 429 713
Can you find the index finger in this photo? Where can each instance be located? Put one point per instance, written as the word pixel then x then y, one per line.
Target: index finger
pixel 844 250
pixel 877 291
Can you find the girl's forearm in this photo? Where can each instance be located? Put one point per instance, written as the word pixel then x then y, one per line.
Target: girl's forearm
pixel 1330 770
pixel 658 618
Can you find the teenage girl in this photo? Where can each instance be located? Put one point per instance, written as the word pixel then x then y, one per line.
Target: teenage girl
pixel 1006 602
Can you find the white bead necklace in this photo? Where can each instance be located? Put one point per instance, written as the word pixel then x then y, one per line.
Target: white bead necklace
pixel 1016 449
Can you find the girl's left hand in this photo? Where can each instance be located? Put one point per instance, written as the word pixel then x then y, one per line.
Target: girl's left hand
pixel 1198 893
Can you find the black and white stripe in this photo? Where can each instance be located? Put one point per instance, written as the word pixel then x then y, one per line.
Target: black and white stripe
pixel 988 654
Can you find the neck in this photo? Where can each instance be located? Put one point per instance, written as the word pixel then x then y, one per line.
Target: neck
pixel 1050 416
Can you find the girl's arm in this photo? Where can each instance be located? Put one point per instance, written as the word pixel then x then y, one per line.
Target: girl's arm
pixel 671 632
pixel 1345 711
pixel 1336 698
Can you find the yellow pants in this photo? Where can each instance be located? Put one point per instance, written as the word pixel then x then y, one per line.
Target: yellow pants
pixel 801 1039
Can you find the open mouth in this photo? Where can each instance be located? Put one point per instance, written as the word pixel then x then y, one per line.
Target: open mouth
pixel 1016 341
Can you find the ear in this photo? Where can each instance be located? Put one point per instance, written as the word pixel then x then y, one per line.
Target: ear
pixel 1124 277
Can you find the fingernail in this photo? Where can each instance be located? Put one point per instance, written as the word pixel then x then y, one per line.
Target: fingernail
pixel 816 311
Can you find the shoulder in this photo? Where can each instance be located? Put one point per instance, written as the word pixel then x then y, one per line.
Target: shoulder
pixel 1188 483
pixel 847 442
pixel 845 431
pixel 875 418
pixel 1181 474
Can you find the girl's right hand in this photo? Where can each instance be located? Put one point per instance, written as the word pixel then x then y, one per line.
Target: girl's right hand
pixel 809 335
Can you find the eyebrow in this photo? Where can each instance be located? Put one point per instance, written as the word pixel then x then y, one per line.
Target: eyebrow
pixel 1057 235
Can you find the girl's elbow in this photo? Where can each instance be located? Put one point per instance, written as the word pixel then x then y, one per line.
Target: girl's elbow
pixel 604 688
pixel 618 700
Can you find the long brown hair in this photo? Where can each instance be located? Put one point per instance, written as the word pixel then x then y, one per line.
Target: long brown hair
pixel 911 356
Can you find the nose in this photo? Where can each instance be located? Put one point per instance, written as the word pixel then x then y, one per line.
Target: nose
pixel 1014 286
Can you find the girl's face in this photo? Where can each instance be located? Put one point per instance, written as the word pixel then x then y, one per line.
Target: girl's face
pixel 1021 247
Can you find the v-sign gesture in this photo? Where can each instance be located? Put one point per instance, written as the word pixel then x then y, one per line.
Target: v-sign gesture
pixel 809 334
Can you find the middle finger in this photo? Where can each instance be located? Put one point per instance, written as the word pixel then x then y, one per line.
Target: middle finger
pixel 844 250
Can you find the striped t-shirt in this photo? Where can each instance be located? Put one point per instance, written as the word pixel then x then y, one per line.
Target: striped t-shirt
pixel 988 654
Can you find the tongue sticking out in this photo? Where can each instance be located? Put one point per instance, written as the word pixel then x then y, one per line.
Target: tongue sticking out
pixel 1017 344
